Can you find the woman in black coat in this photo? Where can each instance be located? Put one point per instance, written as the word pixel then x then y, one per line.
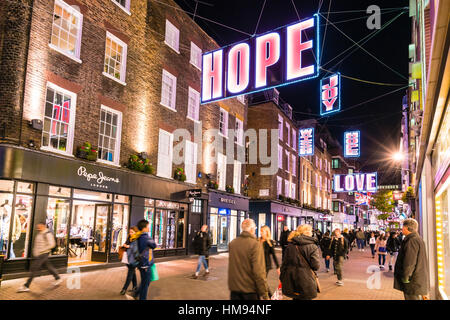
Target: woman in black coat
pixel 269 250
pixel 325 245
pixel 298 277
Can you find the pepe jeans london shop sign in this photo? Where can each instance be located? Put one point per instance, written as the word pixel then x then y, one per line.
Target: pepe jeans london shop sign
pixel 97 179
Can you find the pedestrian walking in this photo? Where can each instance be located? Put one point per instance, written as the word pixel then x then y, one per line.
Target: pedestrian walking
pixel 411 267
pixel 372 243
pixel 300 263
pixel 392 246
pixel 351 239
pixel 339 249
pixel 360 239
pixel 131 248
pixel 246 266
pixel 380 248
pixel 202 244
pixel 146 261
pixel 44 242
pixel 325 244
pixel 284 239
pixel 269 251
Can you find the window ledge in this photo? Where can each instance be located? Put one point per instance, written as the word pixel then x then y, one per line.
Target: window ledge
pixel 108 163
pixel 171 109
pixel 68 55
pixel 171 47
pixel 221 134
pixel 114 78
pixel 161 176
pixel 127 11
pixel 196 121
pixel 200 69
pixel 64 153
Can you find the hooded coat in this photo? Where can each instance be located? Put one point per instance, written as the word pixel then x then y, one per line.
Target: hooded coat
pixel 412 266
pixel 145 243
pixel 296 278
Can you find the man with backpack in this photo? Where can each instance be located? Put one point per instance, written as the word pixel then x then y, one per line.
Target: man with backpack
pixel 202 244
pixel 44 243
pixel 144 256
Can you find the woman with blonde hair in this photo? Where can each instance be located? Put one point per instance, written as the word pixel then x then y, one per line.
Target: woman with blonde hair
pixel 269 250
pixel 300 262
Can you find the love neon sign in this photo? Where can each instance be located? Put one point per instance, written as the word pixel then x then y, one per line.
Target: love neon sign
pixel 330 99
pixel 280 57
pixel 357 182
pixel 352 146
pixel 306 142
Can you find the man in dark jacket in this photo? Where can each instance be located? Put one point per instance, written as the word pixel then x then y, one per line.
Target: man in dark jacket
pixel 325 244
pixel 339 249
pixel 145 259
pixel 246 266
pixel 411 267
pixel 392 248
pixel 284 239
pixel 300 262
pixel 202 244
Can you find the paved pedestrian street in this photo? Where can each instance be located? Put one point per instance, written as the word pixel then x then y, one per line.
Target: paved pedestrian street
pixel 176 283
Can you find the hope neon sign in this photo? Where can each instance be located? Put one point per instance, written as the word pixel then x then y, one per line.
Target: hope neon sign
pixel 352 146
pixel 280 57
pixel 330 100
pixel 306 142
pixel 360 182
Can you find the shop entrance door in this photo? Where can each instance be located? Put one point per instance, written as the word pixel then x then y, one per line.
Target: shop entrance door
pixel 101 240
pixel 222 244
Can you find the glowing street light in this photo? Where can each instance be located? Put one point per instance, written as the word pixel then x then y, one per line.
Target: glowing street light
pixel 398 156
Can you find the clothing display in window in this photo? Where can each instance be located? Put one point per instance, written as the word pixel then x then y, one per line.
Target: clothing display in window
pixel 5 212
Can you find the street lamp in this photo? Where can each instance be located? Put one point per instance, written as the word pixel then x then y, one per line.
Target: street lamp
pixel 398 156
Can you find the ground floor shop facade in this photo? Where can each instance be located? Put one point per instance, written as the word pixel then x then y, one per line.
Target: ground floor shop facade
pixel 88 207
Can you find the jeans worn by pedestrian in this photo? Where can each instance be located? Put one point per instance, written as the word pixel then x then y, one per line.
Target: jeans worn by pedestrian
pixel 36 266
pixel 145 283
pixel 201 260
pixel 338 266
pixel 360 243
pixel 131 277
pixel 381 259
pixel 372 248
pixel 327 263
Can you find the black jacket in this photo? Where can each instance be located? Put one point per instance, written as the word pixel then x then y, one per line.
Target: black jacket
pixel 393 244
pixel 270 251
pixel 412 265
pixel 339 248
pixel 202 243
pixel 284 238
pixel 295 276
pixel 325 247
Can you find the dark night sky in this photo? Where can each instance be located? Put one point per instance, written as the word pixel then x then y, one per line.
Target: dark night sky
pixel 378 120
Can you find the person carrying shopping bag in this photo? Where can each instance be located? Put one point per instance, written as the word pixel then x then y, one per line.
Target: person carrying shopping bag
pixel 129 259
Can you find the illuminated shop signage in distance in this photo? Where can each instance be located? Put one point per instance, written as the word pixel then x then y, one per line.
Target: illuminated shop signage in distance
pixel 306 142
pixel 280 57
pixel 330 97
pixel 356 182
pixel 352 145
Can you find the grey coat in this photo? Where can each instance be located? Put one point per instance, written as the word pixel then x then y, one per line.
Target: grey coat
pixel 412 265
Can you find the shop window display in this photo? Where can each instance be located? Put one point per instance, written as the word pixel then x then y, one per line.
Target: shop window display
pixel 6 200
pixel 119 226
pixel 233 226
pixel 159 227
pixel 149 215
pixel 180 229
pixel 170 229
pixel 213 225
pixel 58 211
pixel 81 231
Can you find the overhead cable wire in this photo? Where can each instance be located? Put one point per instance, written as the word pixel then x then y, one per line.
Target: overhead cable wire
pixel 259 19
pixel 325 33
pixel 350 11
pixel 366 81
pixel 366 50
pixel 354 19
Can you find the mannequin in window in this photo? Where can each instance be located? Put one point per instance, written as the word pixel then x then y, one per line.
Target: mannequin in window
pixel 5 213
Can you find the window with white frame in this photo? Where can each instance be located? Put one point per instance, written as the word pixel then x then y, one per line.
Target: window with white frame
pixel 168 90
pixel 287 189
pixel 190 161
pixel 239 132
pixel 280 156
pixel 115 58
pixel 109 135
pixel 124 4
pixel 294 165
pixel 223 122
pixel 193 104
pixel 288 161
pixel 320 163
pixel 59 118
pixel 280 127
pixel 165 154
pixel 66 29
pixel 221 170
pixel 172 36
pixel 320 182
pixel 196 56
pixel 279 185
pixel 294 139
pixel 303 173
pixel 288 130
pixel 237 176
pixel 293 189
pixel 241 98
pixel 317 180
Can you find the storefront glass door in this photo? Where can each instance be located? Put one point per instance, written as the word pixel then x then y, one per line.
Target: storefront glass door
pixel 222 244
pixel 99 252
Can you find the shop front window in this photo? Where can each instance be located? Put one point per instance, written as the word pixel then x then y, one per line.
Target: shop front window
pixel 213 225
pixel 91 195
pixel 241 219
pixel 6 200
pixel 170 229
pixel 58 211
pixel 180 229
pixel 159 228
pixel 119 226
pixel 59 191
pixel 443 238
pixel 233 224
pixel 261 222
pixel 149 215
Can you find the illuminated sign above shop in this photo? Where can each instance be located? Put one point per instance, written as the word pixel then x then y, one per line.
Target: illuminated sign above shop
pixel 356 182
pixel 306 142
pixel 352 145
pixel 280 57
pixel 330 98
